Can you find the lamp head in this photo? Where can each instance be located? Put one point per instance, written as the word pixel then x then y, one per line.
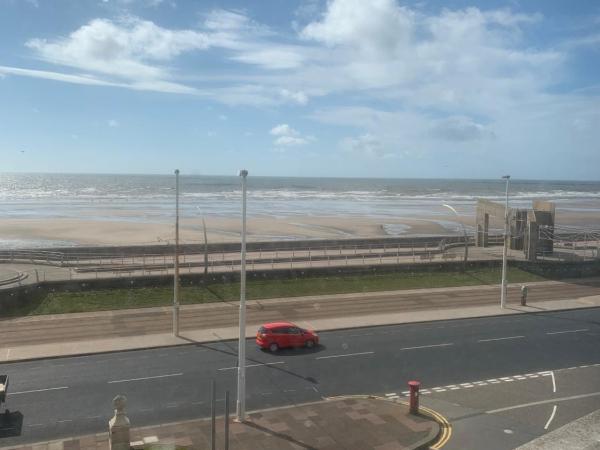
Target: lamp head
pixel 243 173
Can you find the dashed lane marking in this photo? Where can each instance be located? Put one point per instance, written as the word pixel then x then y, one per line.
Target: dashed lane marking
pixel 474 384
pixel 39 390
pixel 501 338
pixel 254 365
pixel 428 346
pixel 345 355
pixel 568 331
pixel 146 378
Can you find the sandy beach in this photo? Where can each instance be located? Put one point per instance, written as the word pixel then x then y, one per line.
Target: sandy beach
pixel 227 229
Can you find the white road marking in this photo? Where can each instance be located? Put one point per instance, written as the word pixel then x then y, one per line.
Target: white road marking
pixel 36 425
pixel 427 346
pixel 197 403
pixel 39 390
pixel 501 339
pixel 146 378
pixel 391 394
pixel 64 421
pixel 551 417
pixel 172 405
pixel 568 331
pixel 553 382
pixel 345 355
pixel 436 389
pixel 543 402
pixel 254 365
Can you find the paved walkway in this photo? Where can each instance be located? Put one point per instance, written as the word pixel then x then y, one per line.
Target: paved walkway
pixel 582 434
pixel 81 333
pixel 359 423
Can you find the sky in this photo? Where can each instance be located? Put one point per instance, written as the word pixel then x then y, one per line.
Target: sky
pixel 341 88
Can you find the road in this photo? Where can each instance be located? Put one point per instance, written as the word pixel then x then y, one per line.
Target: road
pixel 69 396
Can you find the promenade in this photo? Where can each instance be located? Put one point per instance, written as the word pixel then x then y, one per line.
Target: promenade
pixel 80 333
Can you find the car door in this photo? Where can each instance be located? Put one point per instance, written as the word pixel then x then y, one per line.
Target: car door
pixel 280 336
pixel 295 337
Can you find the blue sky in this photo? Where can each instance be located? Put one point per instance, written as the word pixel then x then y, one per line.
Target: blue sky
pixel 355 88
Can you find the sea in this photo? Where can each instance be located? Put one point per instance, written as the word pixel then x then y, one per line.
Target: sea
pixel 151 198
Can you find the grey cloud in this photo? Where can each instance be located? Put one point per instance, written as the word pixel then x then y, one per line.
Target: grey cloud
pixel 460 128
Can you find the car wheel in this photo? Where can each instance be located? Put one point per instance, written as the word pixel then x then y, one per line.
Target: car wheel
pixel 309 344
pixel 273 347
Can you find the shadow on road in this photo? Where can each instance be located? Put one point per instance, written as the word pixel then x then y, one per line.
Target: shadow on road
pixel 282 352
pixel 11 424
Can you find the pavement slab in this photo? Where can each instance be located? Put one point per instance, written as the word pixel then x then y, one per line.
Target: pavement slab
pixel 351 423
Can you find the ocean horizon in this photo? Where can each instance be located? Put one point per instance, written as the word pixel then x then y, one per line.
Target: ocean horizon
pixel 151 197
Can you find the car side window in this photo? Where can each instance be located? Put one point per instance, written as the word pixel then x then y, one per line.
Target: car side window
pixel 294 330
pixel 281 330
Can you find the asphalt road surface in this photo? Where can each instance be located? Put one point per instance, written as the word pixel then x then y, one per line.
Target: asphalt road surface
pixel 54 398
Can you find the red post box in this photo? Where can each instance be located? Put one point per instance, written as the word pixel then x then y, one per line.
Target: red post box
pixel 413 387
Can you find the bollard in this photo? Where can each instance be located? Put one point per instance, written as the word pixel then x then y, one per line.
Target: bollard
pixel 413 387
pixel 119 425
pixel 524 290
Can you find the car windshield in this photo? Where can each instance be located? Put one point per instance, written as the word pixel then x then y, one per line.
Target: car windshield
pixel 314 224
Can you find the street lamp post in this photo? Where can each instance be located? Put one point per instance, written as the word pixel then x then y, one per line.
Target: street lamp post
pixel 241 381
pixel 466 238
pixel 176 260
pixel 505 248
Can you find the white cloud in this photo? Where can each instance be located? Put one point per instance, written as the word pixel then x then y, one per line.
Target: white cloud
pixel 288 136
pixel 298 97
pixel 289 141
pixel 113 123
pixel 120 49
pixel 283 130
pixel 271 58
pixel 56 76
pixel 222 117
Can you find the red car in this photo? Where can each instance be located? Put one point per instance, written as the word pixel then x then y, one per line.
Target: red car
pixel 276 335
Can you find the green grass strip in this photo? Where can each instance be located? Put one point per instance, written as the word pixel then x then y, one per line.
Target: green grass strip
pixel 144 297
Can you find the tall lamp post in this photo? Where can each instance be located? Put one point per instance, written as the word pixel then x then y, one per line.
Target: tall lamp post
pixel 176 260
pixel 466 258
pixel 241 381
pixel 505 248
